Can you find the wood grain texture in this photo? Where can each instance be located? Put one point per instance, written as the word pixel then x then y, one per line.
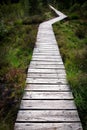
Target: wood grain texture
pixel 47 95
pixel 46 75
pixel 46 63
pixel 46 59
pixel 38 66
pixel 47 104
pixel 55 71
pixel 48 126
pixel 46 81
pixel 48 116
pixel 44 87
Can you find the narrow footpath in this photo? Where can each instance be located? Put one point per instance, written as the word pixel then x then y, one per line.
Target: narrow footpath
pixel 47 103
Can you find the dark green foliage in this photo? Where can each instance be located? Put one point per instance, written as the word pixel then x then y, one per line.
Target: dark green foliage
pixel 16 45
pixel 33 19
pixel 81 32
pixel 72 40
pixel 84 9
pixel 3 30
pixel 73 16
pixel 75 8
pixel 16 53
pixel 18 29
pixel 11 12
pixel 34 7
pixel 67 4
pixel 84 6
pixel 8 1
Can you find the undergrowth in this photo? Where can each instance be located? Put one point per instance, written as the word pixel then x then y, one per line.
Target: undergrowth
pixel 16 47
pixel 72 41
pixel 17 40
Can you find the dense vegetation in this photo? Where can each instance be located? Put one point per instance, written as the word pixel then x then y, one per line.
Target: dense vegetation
pixel 71 35
pixel 18 29
pixel 19 20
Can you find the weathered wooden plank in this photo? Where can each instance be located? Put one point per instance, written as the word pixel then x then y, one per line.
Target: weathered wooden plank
pixel 45 34
pixel 50 47
pixel 47 46
pixel 47 104
pixel 48 40
pixel 46 43
pixel 46 63
pixel 49 32
pixel 55 47
pixel 45 56
pixel 42 30
pixel 47 28
pixel 48 116
pixel 38 44
pixel 47 95
pixel 55 71
pixel 48 76
pixel 46 59
pixel 44 87
pixel 45 51
pixel 47 66
pixel 48 126
pixel 46 81
pixel 45 37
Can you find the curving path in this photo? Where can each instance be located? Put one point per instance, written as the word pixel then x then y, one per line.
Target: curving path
pixel 47 103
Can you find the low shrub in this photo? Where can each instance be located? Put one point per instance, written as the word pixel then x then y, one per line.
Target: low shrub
pixel 11 11
pixel 84 6
pixel 18 22
pixel 72 40
pixel 75 7
pixel 3 30
pixel 73 16
pixel 16 52
pixel 81 32
pixel 33 20
pixel 80 57
pixel 11 90
pixel 84 9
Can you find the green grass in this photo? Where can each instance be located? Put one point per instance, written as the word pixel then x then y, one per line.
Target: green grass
pixel 16 52
pixel 17 39
pixel 73 48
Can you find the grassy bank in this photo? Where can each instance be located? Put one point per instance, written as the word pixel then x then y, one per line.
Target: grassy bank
pixel 72 41
pixel 16 52
pixel 17 39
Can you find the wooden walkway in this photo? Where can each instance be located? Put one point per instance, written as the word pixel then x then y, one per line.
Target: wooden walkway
pixel 47 103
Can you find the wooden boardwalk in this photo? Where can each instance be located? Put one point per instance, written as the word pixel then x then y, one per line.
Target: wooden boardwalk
pixel 48 102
